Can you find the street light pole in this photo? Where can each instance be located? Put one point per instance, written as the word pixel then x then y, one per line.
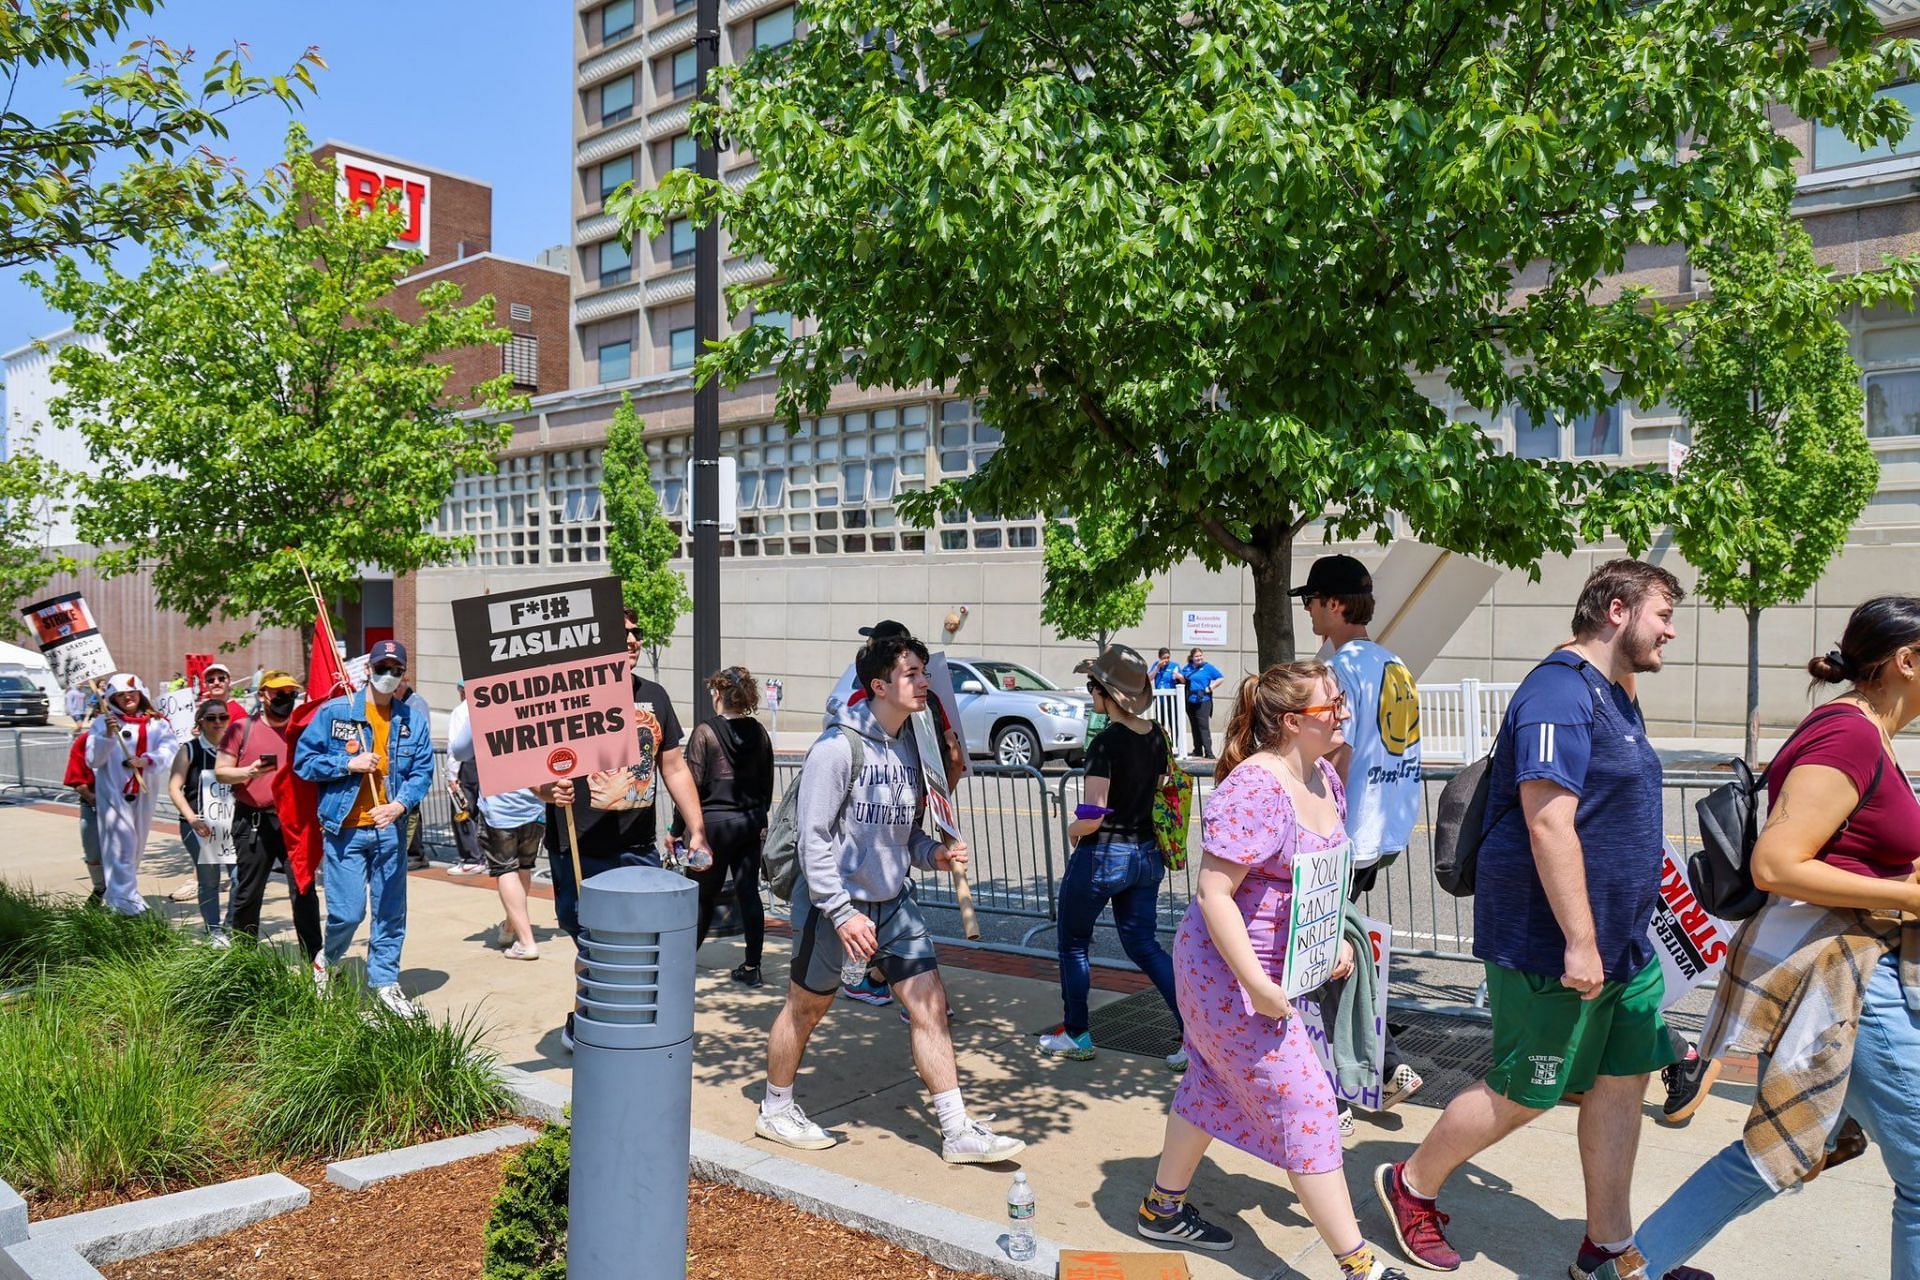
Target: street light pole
pixel 706 398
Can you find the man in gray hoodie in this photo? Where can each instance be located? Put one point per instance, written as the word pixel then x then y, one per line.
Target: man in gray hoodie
pixel 859 840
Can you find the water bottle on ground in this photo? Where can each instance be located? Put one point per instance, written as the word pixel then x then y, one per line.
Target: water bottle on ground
pixel 1020 1246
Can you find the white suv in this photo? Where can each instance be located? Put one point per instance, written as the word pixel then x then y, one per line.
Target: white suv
pixel 1015 714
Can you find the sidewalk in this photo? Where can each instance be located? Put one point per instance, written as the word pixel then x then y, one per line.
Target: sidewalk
pixel 1093 1127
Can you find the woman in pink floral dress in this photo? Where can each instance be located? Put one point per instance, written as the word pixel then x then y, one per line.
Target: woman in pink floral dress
pixel 1255 1082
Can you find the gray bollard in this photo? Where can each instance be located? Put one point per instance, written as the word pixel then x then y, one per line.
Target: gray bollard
pixel 632 1077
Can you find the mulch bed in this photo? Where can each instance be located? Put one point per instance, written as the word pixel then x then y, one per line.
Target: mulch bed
pixel 430 1225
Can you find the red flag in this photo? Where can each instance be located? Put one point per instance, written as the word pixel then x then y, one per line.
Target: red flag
pixel 295 799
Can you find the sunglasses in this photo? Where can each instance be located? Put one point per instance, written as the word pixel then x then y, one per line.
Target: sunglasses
pixel 1337 705
pixel 632 634
pixel 215 719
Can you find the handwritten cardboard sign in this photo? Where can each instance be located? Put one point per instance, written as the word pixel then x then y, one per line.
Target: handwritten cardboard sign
pixel 1313 923
pixel 1315 1017
pixel 75 650
pixel 547 683
pixel 1099 1264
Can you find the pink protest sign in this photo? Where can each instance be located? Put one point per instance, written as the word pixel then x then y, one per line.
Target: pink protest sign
pixel 547 683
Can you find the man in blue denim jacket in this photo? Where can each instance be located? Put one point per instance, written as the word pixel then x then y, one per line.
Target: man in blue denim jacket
pixel 372 757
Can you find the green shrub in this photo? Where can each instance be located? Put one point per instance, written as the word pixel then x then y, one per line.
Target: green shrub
pixel 341 1079
pixel 24 918
pixel 526 1236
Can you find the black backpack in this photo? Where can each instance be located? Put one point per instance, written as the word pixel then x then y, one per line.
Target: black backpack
pixel 1720 872
pixel 1460 826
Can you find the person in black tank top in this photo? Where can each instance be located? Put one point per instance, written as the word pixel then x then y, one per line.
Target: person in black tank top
pixel 194 789
pixel 731 758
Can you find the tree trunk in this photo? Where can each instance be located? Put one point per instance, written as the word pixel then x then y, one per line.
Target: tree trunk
pixel 1753 684
pixel 1272 608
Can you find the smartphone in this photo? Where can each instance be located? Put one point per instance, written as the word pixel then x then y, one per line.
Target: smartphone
pixel 270 759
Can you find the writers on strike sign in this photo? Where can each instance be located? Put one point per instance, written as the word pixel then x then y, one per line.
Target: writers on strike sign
pixel 547 683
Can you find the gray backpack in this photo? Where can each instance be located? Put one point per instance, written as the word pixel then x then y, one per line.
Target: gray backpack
pixel 780 855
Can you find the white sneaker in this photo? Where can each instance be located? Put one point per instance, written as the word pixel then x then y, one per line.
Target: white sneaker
pixel 977 1144
pixel 467 869
pixel 1061 1043
pixel 519 951
pixel 1404 1083
pixel 396 1003
pixel 219 940
pixel 790 1127
pixel 319 970
pixel 1177 1061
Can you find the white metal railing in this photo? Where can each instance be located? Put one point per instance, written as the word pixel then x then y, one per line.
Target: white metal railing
pixel 1457 721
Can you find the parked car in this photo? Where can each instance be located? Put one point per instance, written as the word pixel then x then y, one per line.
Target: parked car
pixel 22 701
pixel 1016 715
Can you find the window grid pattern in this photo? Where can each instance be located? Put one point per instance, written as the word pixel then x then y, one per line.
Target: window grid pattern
pixel 828 488
pixel 520 359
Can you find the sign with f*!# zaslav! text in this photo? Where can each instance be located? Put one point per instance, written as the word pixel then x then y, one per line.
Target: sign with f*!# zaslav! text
pixel 548 688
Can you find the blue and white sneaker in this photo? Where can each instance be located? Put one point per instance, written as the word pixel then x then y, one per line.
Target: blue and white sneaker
pixel 867 991
pixel 1061 1043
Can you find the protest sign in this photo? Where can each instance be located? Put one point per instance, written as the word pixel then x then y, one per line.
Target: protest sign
pixel 1316 1019
pixel 1313 924
pixel 1692 944
pixel 1422 595
pixel 940 688
pixel 72 645
pixel 176 707
pixel 360 670
pixel 1099 1264
pixel 547 683
pixel 197 664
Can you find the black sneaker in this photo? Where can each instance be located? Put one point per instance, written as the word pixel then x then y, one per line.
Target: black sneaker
pixel 1186 1227
pixel 748 975
pixel 566 1035
pixel 1686 1083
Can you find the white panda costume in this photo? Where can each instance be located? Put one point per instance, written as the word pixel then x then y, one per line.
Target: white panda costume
pixel 130 755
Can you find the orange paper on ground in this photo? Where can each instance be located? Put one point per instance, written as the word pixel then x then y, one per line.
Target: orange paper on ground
pixel 1097 1264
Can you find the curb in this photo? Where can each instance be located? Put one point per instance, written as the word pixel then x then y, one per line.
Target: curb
pixel 952 1239
pixel 13 1217
pixel 165 1222
pixel 364 1171
pixel 535 1096
pixel 45 1260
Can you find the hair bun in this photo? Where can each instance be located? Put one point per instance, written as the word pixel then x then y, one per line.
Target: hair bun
pixel 1832 668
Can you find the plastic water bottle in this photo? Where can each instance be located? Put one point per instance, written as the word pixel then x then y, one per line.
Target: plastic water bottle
pixel 1020 1246
pixel 852 972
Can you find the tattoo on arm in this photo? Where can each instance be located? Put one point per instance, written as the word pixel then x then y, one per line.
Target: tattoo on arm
pixel 1777 813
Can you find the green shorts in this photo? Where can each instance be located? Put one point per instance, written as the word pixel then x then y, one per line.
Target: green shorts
pixel 1547 1041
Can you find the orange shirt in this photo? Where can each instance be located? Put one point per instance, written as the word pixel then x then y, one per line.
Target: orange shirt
pixel 373 786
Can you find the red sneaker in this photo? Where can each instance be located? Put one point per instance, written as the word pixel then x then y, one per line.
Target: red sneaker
pixel 1418 1224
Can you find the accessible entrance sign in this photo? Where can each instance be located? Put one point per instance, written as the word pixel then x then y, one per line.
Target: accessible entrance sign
pixel 547 683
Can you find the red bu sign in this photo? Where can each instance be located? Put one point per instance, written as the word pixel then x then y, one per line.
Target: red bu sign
pixel 362 181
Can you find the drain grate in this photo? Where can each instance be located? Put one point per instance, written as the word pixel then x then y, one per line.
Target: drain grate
pixel 1449 1053
pixel 1139 1023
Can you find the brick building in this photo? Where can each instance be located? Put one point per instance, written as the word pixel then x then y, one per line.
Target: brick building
pixel 450 222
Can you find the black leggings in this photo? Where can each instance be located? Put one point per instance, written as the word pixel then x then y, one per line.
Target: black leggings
pixel 735 841
pixel 1200 720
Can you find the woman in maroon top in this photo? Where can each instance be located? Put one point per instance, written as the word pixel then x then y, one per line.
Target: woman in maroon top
pixel 1837 855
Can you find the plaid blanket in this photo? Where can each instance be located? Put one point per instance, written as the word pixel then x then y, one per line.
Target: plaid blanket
pixel 1795 982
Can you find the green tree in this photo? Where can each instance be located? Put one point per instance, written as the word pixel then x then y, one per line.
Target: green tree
pixel 1205 253
pixel 641 544
pixel 1087 597
pixel 1780 465
pixel 258 403
pixel 32 495
pixel 123 163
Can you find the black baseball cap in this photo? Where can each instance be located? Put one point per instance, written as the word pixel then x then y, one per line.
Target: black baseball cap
pixel 885 627
pixel 1336 576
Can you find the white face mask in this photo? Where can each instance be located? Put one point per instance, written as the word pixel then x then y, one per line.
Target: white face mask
pixel 387 682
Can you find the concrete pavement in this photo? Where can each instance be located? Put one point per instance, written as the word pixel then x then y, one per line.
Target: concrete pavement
pixel 1093 1128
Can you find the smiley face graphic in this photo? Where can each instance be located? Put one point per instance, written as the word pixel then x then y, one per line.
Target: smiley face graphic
pixel 1399 709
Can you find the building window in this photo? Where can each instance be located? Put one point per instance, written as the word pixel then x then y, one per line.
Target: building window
pixel 520 358
pixel 530 510
pixel 616 100
pixel 681 6
pixel 781 320
pixel 680 237
pixel 1893 404
pixel 1533 439
pixel 771 30
pixel 1832 150
pixel 616 263
pixel 680 348
pixel 616 361
pixel 614 174
pixel 1597 434
pixel 686 72
pixel 684 151
pixel 616 21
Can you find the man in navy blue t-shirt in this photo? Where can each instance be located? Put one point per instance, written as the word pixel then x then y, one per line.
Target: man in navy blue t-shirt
pixel 1568 875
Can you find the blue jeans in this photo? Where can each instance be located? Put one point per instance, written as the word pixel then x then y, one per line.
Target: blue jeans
pixel 1881 1093
pixel 210 878
pixel 1128 876
pixel 359 859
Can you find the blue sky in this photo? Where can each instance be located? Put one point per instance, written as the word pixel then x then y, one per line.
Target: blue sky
pixel 477 87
